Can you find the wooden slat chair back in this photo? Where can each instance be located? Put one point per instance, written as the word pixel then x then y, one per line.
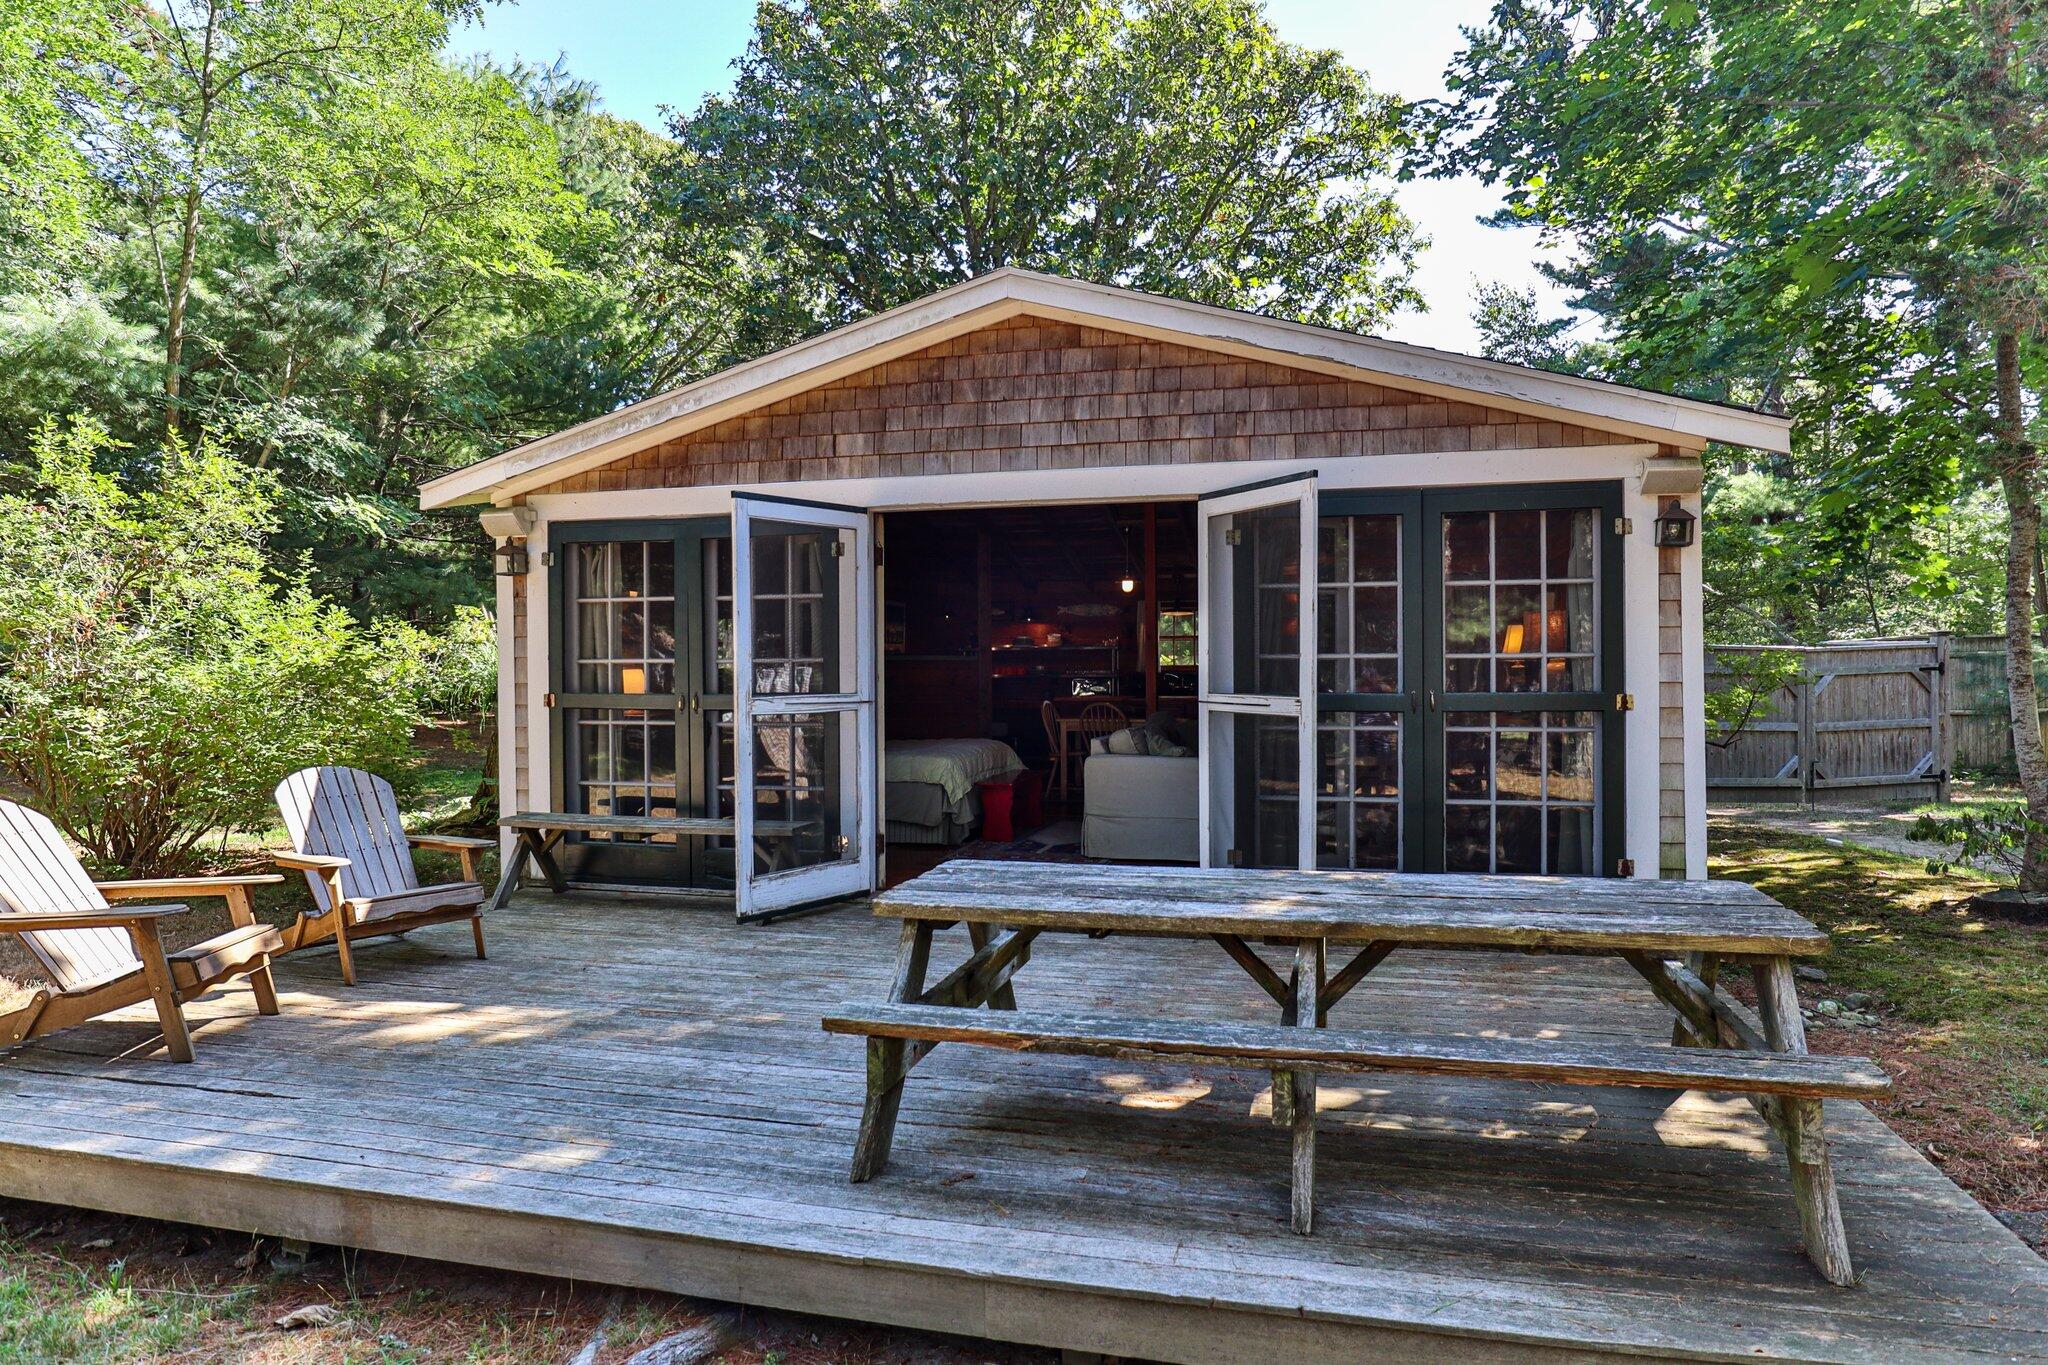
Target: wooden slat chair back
pixel 348 813
pixel 349 838
pixel 104 956
pixel 39 875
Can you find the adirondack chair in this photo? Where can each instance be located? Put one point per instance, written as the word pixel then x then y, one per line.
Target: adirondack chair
pixel 347 837
pixel 106 957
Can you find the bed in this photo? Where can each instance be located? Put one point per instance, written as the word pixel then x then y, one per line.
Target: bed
pixel 930 796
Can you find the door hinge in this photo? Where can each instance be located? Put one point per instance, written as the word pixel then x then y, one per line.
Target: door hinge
pixel 1624 701
pixel 839 549
pixel 547 699
pixel 1234 858
pixel 1233 536
pixel 1626 867
pixel 547 559
pixel 1624 527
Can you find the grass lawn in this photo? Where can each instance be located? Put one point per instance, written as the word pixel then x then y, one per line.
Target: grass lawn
pixel 1959 1000
pixel 91 1288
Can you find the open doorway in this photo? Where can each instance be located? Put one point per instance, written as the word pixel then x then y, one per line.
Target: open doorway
pixel 1016 641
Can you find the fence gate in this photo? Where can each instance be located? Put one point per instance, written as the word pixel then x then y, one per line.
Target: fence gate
pixel 1858 720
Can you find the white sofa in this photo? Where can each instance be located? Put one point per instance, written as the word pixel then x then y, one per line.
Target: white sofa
pixel 1141 808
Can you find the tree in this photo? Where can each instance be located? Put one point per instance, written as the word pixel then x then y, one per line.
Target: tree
pixel 160 678
pixel 873 151
pixel 55 58
pixel 1837 208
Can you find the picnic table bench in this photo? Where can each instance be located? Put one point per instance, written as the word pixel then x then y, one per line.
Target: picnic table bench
pixel 1677 935
pixel 540 832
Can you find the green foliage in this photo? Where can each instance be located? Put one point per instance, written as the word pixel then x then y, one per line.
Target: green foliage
pixel 160 677
pixel 875 150
pixel 1512 328
pixel 1752 682
pixel 321 248
pixel 1750 222
pixel 458 666
pixel 1770 579
pixel 1992 835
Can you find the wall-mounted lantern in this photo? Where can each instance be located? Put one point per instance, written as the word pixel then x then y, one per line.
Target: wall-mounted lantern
pixel 509 527
pixel 1674 527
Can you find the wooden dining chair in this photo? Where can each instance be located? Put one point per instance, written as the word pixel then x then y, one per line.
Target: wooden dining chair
pixel 105 957
pixel 1055 742
pixel 350 841
pixel 1097 718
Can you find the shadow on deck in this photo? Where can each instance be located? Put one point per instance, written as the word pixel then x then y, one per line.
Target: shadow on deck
pixel 641 1095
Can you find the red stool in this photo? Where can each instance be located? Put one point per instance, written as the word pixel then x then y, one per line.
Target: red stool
pixel 996 804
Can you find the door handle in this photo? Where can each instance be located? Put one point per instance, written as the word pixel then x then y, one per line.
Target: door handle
pixel 1432 699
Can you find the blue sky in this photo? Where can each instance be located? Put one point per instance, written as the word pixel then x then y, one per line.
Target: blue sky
pixel 644 54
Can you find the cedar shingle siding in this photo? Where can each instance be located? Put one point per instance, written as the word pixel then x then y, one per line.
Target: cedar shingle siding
pixel 1032 393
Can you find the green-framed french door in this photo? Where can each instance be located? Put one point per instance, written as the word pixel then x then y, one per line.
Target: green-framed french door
pixel 642 691
pixel 1469 680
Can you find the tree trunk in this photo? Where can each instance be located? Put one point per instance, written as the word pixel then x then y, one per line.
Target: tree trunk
pixel 180 293
pixel 2018 474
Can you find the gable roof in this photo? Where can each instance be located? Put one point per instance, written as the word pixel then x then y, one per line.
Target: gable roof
pixel 1638 414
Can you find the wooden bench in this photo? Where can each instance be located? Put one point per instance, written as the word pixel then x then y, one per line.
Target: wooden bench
pixel 1803 1079
pixel 539 833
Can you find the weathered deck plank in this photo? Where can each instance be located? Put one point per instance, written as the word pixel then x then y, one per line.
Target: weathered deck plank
pixel 671 1115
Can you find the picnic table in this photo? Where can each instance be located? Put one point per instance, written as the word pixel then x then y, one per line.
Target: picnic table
pixel 539 833
pixel 1677 935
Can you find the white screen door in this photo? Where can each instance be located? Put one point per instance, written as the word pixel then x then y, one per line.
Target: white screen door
pixel 1256 563
pixel 804 752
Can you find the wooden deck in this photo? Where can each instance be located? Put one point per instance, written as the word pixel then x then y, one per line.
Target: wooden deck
pixel 642 1095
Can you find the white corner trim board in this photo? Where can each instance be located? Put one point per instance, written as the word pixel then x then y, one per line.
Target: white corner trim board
pixel 1636 413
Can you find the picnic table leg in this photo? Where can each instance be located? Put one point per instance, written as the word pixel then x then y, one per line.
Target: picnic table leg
pixel 1309 960
pixel 544 859
pixel 1708 970
pixel 508 876
pixel 887 1060
pixel 1003 997
pixel 1806 1147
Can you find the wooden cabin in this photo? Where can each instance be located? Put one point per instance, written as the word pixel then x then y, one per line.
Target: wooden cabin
pixel 1453 601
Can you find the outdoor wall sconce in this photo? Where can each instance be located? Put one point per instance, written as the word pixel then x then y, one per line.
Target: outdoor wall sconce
pixel 508 527
pixel 1674 528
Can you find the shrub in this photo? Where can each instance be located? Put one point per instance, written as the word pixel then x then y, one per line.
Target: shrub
pixel 1991 837
pixel 157 677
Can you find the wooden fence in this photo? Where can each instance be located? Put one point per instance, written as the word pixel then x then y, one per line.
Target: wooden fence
pixel 1857 721
pixel 1980 709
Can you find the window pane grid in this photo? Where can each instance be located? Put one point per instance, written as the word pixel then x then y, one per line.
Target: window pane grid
pixel 1519 792
pixel 1519 601
pixel 1275 534
pixel 794 635
pixel 624 639
pixel 624 763
pixel 1358 790
pixel 1359 615
pixel 798 782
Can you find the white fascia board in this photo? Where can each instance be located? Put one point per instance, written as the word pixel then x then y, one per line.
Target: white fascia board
pixel 1682 422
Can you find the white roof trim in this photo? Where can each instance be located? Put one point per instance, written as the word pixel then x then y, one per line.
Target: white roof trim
pixel 1007 293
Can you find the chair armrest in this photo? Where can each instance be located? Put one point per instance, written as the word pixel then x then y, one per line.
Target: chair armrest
pixel 451 843
pixel 183 886
pixel 309 862
pixel 90 919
